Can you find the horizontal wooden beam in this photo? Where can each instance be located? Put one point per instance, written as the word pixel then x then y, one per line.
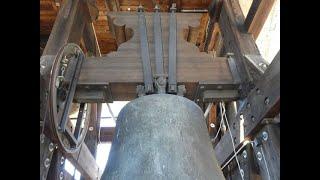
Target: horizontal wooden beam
pixel 262 102
pixel 122 75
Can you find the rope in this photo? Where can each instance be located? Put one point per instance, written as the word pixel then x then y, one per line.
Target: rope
pixel 221 104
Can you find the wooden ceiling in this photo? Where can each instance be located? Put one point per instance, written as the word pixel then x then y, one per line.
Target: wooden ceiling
pixel 106 40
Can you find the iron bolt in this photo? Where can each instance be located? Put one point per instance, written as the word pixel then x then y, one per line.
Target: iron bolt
pixel 212 125
pixel 42 138
pixel 264 135
pixel 47 163
pixel 248 105
pixel 62 160
pixel 258 91
pixel 61 175
pixel 90 128
pixel 242 172
pixel 267 101
pixel 244 154
pixel 51 147
pixel 259 155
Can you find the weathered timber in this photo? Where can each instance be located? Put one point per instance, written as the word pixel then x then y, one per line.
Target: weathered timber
pixel 90 40
pixel 239 42
pixel 262 102
pixel 122 70
pixel 214 14
pixel 257 16
pixel 85 163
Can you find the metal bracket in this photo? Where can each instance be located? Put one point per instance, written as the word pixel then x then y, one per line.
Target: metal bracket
pixel 221 91
pixel 98 93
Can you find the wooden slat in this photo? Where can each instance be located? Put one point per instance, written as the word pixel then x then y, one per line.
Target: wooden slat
pixel 257 16
pixel 84 162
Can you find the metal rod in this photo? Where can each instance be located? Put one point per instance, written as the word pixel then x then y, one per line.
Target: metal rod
pixel 172 79
pixel 206 113
pixel 79 121
pixel 71 91
pixel 159 76
pixel 194 10
pixel 147 75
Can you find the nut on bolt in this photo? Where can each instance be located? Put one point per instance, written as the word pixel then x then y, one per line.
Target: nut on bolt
pixel 259 155
pixel 264 135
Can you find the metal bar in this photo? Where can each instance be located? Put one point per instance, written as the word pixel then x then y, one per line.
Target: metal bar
pixel 160 77
pixel 79 120
pixel 172 79
pixel 70 95
pixel 147 75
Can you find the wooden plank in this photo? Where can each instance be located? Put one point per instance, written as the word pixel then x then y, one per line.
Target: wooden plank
pixel 212 118
pixel 85 163
pixel 264 102
pixel 63 25
pixel 214 13
pixel 257 16
pixel 90 40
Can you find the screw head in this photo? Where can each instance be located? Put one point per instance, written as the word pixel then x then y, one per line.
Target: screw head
pixel 212 125
pixel 258 91
pixel 242 172
pixel 62 160
pixel 259 155
pixel 47 162
pixel 248 105
pixel 61 175
pixel 42 138
pixel 51 147
pixel 253 118
pixel 266 101
pixel 90 128
pixel 264 135
pixel 244 154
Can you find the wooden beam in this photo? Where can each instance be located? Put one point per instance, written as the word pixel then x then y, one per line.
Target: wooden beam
pixel 57 166
pixel 90 40
pixel 212 118
pixel 214 14
pixel 113 5
pixel 257 16
pixel 262 102
pixel 122 75
pixel 85 163
pixel 240 43
pixel 63 26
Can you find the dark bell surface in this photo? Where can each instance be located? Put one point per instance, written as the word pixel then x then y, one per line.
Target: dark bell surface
pixel 161 136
